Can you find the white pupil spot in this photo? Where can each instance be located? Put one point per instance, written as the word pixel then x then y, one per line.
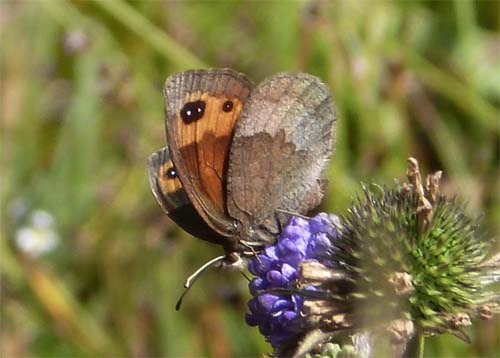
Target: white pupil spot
pixel 188 112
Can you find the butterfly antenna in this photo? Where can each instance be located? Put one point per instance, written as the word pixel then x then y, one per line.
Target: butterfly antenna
pixel 191 279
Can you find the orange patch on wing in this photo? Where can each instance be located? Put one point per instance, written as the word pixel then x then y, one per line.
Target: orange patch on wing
pixel 204 144
pixel 168 184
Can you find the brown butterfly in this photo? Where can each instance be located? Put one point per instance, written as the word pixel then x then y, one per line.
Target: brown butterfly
pixel 238 156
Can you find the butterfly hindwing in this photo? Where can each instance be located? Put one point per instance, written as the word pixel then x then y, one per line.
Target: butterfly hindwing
pixel 173 199
pixel 281 145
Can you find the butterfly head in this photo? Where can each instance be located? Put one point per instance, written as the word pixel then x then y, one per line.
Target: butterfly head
pixel 234 261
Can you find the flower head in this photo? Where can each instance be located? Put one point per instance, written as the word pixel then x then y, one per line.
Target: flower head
pixel 40 237
pixel 277 314
pixel 405 260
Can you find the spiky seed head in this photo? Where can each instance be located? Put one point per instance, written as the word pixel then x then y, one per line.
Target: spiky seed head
pixel 405 254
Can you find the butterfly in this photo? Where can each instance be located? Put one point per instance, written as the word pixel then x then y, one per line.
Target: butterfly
pixel 239 156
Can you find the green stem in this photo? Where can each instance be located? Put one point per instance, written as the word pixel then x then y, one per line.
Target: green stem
pixel 482 111
pixel 421 346
pixel 151 34
pixel 415 347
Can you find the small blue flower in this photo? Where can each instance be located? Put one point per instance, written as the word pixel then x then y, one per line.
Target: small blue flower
pixel 277 315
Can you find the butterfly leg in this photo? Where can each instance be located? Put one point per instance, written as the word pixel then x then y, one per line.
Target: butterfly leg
pixel 288 214
pixel 252 252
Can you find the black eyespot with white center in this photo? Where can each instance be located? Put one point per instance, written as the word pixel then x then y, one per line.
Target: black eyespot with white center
pixel 227 106
pixel 192 111
pixel 171 173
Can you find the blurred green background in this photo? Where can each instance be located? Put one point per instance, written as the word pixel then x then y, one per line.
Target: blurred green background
pixel 90 264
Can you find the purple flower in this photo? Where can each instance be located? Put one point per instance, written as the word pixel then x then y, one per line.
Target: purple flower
pixel 277 315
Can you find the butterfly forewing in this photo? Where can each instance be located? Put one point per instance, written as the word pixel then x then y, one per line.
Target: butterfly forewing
pixel 202 108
